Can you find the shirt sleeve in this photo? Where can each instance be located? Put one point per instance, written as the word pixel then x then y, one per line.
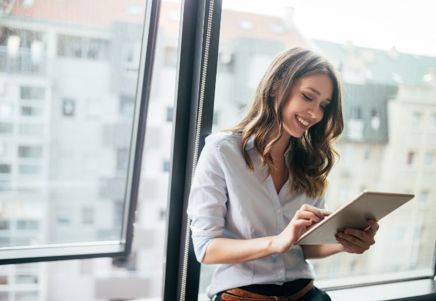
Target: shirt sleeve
pixel 207 200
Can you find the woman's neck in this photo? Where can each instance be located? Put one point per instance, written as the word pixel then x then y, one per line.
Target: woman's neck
pixel 279 148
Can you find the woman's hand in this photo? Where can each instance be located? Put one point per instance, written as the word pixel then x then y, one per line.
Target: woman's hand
pixel 305 217
pixel 356 240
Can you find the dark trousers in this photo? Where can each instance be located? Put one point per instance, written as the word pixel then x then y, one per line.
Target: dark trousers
pixel 314 294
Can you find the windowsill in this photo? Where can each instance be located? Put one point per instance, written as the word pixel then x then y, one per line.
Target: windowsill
pixel 424 289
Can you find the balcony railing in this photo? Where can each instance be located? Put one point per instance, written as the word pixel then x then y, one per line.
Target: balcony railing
pixel 21 61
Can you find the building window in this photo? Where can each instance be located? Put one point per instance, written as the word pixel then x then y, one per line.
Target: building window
pixel 5 168
pixel 127 106
pixel 29 151
pixel 410 158
pixel 356 113
pixel 226 61
pixel 26 279
pixel 30 111
pixel 27 224
pixel 6 128
pixel 26 169
pixel 68 107
pixel 63 217
pixel 6 110
pixel 122 159
pixel 82 47
pixel 423 196
pixel 428 159
pixel 375 120
pixel 88 215
pixel 32 92
pixel 166 166
pixel 4 225
pixel 31 129
pixel 169 114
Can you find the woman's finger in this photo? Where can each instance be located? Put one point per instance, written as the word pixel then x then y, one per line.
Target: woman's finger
pixel 321 213
pixel 372 228
pixel 349 247
pixel 357 238
pixel 307 215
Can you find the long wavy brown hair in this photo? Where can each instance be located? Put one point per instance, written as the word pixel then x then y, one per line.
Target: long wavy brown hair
pixel 312 156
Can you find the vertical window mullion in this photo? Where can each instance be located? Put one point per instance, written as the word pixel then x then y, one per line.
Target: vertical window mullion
pixel 198 55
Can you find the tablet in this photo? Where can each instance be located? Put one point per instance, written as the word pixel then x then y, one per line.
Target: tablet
pixel 368 205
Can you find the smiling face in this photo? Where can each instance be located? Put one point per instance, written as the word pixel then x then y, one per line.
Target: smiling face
pixel 309 97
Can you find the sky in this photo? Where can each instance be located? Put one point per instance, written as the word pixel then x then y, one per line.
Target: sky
pixel 409 26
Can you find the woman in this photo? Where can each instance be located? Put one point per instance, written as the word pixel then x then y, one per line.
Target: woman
pixel 258 187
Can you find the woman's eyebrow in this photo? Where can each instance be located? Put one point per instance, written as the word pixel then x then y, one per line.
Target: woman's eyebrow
pixel 314 90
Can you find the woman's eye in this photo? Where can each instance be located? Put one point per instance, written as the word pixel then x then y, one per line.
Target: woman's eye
pixel 324 107
pixel 306 97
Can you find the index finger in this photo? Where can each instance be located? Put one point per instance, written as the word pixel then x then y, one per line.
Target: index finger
pixel 321 213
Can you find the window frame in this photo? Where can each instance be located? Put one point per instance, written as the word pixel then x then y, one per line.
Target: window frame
pixel 121 247
pixel 199 39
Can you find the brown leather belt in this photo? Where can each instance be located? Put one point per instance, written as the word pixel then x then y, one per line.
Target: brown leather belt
pixel 237 294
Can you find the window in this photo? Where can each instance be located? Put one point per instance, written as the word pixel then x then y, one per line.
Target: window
pixel 166 166
pixel 26 279
pixel 31 111
pixel 375 120
pixel 6 128
pixel 32 92
pixel 26 224
pixel 88 215
pixel 423 196
pixel 29 151
pixel 46 191
pixel 122 160
pixel 82 47
pixel 428 159
pixel 127 106
pixel 68 107
pixel 6 110
pixel 410 158
pixel 27 169
pixel 32 129
pixel 4 225
pixel 5 168
pixel 169 114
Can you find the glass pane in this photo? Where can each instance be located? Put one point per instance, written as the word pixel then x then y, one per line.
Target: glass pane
pixel 65 134
pixel 388 143
pixel 139 277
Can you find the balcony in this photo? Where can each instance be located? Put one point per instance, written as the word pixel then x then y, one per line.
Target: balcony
pixel 22 61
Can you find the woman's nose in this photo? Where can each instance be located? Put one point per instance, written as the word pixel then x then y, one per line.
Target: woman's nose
pixel 315 113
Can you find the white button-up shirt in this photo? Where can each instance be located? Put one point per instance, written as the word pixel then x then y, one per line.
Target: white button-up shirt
pixel 229 200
